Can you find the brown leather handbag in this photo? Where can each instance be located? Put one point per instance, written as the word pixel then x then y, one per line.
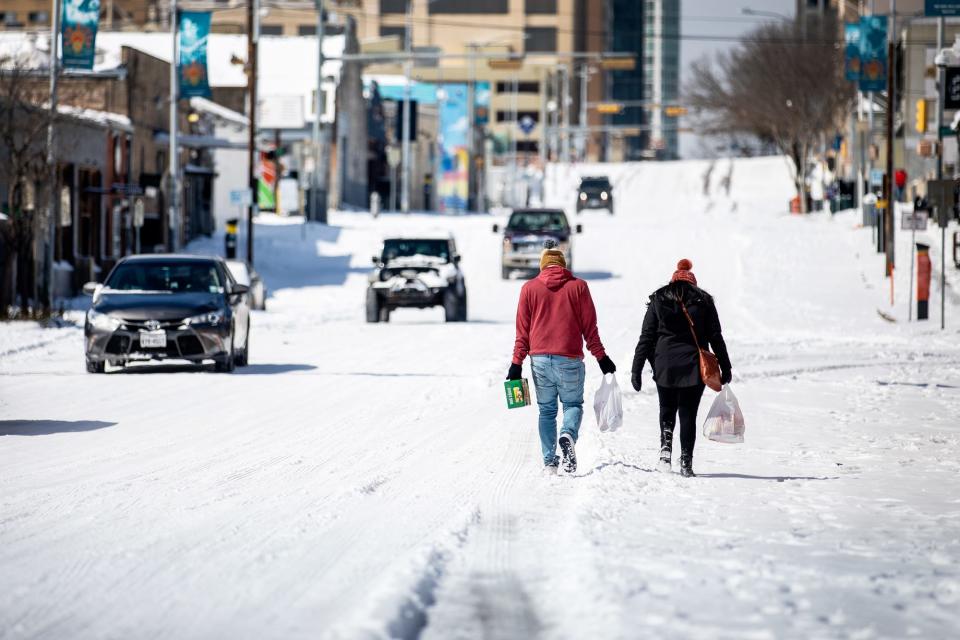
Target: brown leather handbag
pixel 709 365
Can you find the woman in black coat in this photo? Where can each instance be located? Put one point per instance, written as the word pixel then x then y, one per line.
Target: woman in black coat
pixel 667 342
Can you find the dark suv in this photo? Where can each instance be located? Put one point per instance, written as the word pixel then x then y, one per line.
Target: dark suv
pixel 417 272
pixel 595 193
pixel 160 307
pixel 524 235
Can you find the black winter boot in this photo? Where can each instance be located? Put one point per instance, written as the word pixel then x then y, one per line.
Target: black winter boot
pixel 686 465
pixel 666 447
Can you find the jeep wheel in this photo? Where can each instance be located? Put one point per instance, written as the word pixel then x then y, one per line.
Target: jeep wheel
pixel 454 306
pixel 373 306
pixel 384 314
pixel 96 367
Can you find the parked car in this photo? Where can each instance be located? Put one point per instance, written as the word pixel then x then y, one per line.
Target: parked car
pixel 524 235
pixel 417 272
pixel 595 193
pixel 244 274
pixel 162 306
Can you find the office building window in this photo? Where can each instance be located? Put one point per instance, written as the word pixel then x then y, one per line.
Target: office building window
pixel 527 146
pixel 469 6
pixel 507 116
pixel 307 30
pixel 8 17
pixel 391 30
pixel 522 87
pixel 39 17
pixel 271 29
pixel 548 7
pixel 393 6
pixel 541 39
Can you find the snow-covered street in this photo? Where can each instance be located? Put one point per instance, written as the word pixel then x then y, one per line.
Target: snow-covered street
pixel 366 480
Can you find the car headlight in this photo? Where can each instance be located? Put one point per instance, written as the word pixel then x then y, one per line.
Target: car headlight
pixel 212 318
pixel 603 195
pixel 583 196
pixel 103 321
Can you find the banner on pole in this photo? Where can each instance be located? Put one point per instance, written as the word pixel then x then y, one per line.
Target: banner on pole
pixel 79 33
pixel 192 66
pixel 454 172
pixel 873 53
pixel 851 51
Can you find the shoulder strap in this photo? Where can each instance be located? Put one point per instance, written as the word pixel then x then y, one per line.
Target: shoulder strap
pixel 690 322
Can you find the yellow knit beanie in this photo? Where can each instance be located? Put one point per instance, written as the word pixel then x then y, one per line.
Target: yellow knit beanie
pixel 552 255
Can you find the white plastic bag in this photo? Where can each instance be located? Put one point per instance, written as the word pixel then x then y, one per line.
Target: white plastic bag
pixel 724 423
pixel 608 405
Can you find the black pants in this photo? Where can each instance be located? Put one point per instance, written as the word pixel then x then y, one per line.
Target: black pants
pixel 686 402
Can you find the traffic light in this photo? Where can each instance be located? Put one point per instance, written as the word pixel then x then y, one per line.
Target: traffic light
pixel 921 123
pixel 675 111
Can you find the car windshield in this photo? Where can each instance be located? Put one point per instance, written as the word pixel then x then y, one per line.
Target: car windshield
pixel 239 272
pixel 538 221
pixel 173 277
pixel 393 249
pixel 594 183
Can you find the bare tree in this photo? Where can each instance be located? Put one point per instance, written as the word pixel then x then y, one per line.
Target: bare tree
pixel 783 83
pixel 24 171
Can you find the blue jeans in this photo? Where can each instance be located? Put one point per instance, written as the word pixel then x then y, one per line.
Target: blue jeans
pixel 553 377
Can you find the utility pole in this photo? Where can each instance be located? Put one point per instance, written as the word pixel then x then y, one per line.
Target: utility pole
pixel 941 81
pixel 888 222
pixel 174 143
pixel 53 209
pixel 315 213
pixel 565 115
pixel 253 35
pixel 471 135
pixel 582 138
pixel 405 128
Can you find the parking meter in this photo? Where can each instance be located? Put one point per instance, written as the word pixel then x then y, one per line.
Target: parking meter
pixel 230 239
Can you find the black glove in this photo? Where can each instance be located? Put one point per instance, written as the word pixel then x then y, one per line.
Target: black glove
pixel 636 381
pixel 606 365
pixel 726 376
pixel 515 372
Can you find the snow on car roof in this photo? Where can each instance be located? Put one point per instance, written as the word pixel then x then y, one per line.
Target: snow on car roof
pixel 429 235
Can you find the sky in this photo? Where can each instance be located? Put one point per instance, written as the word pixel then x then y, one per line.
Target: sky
pixel 723 18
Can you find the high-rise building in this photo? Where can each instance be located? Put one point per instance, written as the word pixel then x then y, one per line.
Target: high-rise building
pixel 661 73
pixel 625 30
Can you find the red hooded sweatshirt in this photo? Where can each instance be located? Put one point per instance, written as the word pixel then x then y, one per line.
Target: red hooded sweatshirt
pixel 555 315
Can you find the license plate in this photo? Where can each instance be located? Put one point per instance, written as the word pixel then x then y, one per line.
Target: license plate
pixel 153 339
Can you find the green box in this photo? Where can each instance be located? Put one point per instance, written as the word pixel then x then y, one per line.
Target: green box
pixel 518 393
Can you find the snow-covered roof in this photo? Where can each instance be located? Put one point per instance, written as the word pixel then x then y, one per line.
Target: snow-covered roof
pixel 93 116
pixel 219 111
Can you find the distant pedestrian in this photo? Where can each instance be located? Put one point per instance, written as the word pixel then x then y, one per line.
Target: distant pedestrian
pixel 554 317
pixel 667 341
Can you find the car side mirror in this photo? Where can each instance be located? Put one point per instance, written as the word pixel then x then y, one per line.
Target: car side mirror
pixel 239 290
pixel 579 228
pixel 90 288
pixel 496 228
pixel 375 260
pixel 456 259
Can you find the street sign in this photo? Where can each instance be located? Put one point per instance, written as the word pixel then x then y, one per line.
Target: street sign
pixel 240 197
pixel 876 177
pixel 942 195
pixel 675 111
pixel 619 63
pixel 951 98
pixel 944 8
pixel 527 124
pixel 914 221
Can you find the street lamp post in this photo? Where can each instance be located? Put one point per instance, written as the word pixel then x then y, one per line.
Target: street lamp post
pixel 405 126
pixel 318 177
pixel 174 214
pixel 53 209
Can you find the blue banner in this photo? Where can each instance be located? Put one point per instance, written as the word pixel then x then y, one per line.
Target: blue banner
pixel 192 65
pixel 454 181
pixel 79 33
pixel 851 51
pixel 873 53
pixel 481 103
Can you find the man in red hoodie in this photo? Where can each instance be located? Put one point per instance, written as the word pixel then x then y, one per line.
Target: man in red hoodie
pixel 554 317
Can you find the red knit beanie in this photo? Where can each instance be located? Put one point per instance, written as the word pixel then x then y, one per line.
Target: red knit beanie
pixel 684 272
